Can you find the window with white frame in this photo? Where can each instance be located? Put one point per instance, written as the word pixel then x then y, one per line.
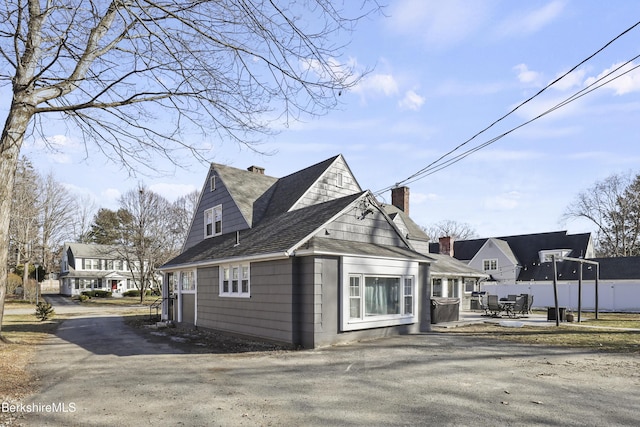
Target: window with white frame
pixel 188 280
pixel 436 287
pixel 490 264
pixel 212 182
pixel 340 180
pixel 213 221
pixel 469 285
pixel 377 295
pixel 235 281
pixel 371 296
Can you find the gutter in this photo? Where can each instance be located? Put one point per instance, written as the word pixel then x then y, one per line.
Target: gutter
pixel 212 263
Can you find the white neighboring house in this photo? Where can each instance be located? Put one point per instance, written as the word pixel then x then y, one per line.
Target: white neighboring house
pixel 89 267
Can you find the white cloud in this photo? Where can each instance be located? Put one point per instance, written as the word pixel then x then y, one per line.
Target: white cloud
pixel 172 191
pixel 626 83
pixel 411 101
pixel 377 84
pixel 571 80
pixel 529 22
pixel 527 76
pixel 439 24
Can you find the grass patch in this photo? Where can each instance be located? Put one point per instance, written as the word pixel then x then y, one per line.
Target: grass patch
pixel 124 301
pixel 24 332
pixel 607 335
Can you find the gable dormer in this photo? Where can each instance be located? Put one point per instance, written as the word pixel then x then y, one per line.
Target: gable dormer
pixel 334 182
pixel 226 201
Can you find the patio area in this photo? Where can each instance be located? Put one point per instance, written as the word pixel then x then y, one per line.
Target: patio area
pixel 475 317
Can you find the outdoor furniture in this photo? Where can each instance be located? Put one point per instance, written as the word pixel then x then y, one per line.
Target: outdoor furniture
pixel 508 307
pixel 518 306
pixel 493 305
pixel 528 303
pixel 483 304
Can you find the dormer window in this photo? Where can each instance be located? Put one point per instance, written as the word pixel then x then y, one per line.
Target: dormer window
pixel 213 221
pixel 547 255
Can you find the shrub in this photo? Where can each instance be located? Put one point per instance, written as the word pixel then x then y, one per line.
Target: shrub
pixel 44 311
pixel 97 294
pixel 83 297
pixel 102 294
pixel 136 293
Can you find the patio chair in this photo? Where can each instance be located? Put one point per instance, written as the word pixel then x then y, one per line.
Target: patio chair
pixel 518 307
pixel 482 304
pixel 493 305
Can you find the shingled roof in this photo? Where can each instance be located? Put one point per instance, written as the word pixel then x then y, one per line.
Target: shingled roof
pixel 274 235
pixel 525 247
pixel 245 187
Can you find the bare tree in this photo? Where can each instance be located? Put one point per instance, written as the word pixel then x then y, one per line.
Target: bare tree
pixel 57 208
pixel 183 211
pixel 611 206
pixel 110 68
pixel 24 216
pixel 84 211
pixel 146 243
pixel 450 228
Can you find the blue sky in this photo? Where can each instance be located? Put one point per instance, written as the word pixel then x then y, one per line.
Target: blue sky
pixel 444 70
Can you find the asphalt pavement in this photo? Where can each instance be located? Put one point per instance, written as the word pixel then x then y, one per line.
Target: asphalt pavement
pixel 97 371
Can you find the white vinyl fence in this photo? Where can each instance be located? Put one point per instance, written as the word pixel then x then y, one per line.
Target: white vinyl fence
pixel 612 296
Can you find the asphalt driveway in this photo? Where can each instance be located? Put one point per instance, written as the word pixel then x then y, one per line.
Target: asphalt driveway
pixel 98 371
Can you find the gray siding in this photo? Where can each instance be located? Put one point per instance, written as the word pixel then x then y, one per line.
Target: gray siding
pixel 316 300
pixel 506 269
pixel 188 308
pixel 232 218
pixel 326 188
pixel 374 228
pixel 267 314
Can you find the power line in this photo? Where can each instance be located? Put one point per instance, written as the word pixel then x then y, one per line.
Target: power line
pixel 435 164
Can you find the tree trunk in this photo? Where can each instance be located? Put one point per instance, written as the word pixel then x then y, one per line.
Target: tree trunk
pixel 10 143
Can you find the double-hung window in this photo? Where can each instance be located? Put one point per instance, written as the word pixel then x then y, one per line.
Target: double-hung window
pixel 213 221
pixel 490 264
pixel 235 281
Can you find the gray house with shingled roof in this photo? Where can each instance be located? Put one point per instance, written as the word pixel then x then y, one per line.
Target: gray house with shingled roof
pixel 309 259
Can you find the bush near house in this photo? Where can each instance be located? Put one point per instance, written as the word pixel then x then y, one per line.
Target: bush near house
pixel 136 293
pixel 97 294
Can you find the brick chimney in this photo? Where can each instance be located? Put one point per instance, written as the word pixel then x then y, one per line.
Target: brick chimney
pixel 256 169
pixel 446 245
pixel 400 198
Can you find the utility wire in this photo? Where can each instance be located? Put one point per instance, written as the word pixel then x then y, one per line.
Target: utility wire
pixel 585 91
pixel 437 161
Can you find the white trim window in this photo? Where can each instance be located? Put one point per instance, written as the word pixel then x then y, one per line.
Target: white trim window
pixel 373 296
pixel 235 281
pixel 377 294
pixel 188 281
pixel 212 183
pixel 213 221
pixel 490 264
